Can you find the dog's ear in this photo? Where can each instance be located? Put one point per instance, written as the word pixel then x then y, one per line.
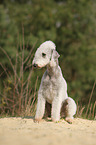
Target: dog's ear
pixel 55 54
pixel 54 58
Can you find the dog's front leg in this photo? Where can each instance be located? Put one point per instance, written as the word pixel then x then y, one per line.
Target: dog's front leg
pixel 56 107
pixel 40 108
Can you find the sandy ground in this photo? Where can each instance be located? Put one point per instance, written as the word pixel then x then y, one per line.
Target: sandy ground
pixel 23 131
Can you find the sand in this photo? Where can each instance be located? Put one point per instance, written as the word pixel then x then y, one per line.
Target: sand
pixel 23 131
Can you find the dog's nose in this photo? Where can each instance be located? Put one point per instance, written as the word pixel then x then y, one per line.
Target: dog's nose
pixel 34 65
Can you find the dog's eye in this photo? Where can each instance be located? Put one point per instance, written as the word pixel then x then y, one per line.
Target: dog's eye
pixel 43 55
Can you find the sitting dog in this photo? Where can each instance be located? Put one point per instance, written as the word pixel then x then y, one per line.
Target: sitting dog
pixel 53 87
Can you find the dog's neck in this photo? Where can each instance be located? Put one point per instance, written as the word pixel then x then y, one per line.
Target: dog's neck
pixel 52 70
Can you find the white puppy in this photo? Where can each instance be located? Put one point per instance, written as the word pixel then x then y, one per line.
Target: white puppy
pixel 53 87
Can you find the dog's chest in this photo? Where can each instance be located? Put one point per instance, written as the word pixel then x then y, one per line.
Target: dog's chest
pixel 50 88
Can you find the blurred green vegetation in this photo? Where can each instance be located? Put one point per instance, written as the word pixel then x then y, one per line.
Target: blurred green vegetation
pixel 71 25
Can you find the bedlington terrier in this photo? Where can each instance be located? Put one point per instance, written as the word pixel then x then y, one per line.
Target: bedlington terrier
pixel 53 87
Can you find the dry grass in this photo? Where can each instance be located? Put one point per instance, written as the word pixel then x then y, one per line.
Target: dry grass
pixel 90 110
pixel 18 97
pixel 81 111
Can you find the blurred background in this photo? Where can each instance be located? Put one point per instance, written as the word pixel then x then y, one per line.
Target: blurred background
pixel 24 25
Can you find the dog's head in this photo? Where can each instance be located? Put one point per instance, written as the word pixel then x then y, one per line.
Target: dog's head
pixel 45 54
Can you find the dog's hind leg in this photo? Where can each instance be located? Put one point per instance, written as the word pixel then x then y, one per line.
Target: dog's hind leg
pixel 68 109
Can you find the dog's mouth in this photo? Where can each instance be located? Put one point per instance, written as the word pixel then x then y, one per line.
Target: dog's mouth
pixel 38 66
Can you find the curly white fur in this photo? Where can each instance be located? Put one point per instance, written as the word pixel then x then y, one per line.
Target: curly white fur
pixel 53 87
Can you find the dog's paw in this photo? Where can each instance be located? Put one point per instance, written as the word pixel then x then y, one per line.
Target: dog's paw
pixel 69 120
pixel 37 120
pixel 55 120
